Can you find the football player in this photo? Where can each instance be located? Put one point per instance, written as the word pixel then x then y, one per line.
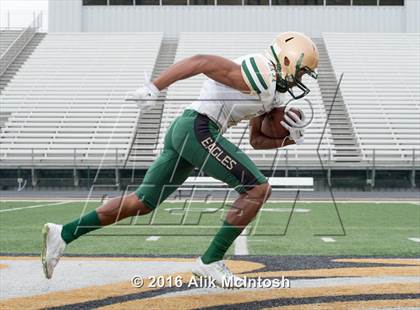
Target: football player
pixel 243 89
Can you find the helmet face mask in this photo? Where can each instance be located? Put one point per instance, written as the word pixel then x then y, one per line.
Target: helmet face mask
pixel 293 54
pixel 286 84
pixel 297 81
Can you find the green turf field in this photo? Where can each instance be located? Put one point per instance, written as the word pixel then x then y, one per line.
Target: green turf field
pixel 370 229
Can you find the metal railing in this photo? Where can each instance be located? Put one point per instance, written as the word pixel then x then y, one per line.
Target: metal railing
pixel 14 49
pixel 283 158
pixel 69 157
pixel 245 3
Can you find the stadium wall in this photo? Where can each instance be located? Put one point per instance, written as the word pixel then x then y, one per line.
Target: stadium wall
pixel 72 16
pixel 119 179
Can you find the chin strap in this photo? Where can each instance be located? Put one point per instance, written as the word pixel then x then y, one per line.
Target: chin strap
pixel 284 140
pixel 300 141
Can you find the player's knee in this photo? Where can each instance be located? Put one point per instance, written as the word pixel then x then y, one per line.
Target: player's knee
pixel 266 191
pixel 135 203
pixel 132 201
pixel 261 192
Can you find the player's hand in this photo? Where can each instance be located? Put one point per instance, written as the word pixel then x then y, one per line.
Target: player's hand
pixel 145 96
pixel 295 125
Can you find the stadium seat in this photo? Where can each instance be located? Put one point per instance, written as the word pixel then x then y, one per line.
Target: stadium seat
pixel 69 96
pixel 381 89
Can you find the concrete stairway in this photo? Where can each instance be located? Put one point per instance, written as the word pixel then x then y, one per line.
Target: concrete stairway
pixel 345 141
pixel 147 135
pixel 20 60
pixel 16 65
pixel 7 37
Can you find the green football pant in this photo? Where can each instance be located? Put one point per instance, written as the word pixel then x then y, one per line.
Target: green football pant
pixel 193 140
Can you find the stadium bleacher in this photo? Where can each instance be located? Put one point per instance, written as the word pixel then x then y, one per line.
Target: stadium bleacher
pixel 233 45
pixel 381 90
pixel 69 95
pixel 64 104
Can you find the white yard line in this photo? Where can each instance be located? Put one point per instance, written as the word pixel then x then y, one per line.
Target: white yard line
pixel 219 201
pixel 414 239
pixel 182 210
pixel 153 238
pixel 327 239
pixel 338 200
pixel 47 199
pixel 296 210
pixel 241 244
pixel 35 206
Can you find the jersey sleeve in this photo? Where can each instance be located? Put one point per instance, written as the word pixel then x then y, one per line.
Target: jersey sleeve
pixel 257 74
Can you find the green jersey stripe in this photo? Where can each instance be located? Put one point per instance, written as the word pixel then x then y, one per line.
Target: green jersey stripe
pixel 257 72
pixel 249 77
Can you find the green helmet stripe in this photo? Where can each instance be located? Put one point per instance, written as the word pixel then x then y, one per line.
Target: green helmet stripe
pixel 278 64
pixel 249 77
pixel 274 54
pixel 299 62
pixel 257 72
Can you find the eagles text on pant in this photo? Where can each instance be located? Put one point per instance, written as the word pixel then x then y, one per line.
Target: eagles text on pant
pixel 218 153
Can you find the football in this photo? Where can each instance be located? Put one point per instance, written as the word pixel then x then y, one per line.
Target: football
pixel 271 126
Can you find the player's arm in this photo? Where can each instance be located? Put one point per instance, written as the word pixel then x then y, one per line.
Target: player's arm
pixel 217 68
pixel 259 141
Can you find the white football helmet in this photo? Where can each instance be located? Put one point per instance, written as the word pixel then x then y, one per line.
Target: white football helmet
pixel 293 54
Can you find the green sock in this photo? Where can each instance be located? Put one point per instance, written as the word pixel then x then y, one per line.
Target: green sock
pixel 221 243
pixel 80 226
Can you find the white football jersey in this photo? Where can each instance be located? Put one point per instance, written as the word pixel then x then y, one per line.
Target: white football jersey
pixel 227 106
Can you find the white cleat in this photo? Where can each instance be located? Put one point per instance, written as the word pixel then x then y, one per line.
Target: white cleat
pixel 52 247
pixel 219 273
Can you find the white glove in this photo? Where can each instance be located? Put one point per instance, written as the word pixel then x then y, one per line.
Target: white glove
pixel 144 96
pixel 294 124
